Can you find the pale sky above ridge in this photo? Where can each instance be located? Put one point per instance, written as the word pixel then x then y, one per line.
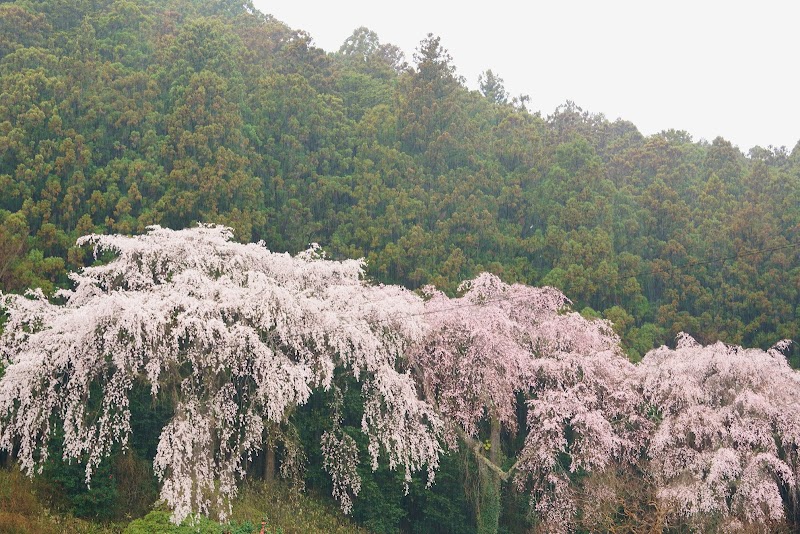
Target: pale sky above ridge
pixel 708 67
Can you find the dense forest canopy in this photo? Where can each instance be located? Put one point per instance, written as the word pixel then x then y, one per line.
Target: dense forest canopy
pixel 119 114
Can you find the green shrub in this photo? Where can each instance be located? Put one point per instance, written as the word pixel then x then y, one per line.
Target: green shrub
pixel 158 521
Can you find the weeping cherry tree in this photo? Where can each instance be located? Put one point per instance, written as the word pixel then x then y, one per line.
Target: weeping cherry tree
pixel 235 336
pixel 499 345
pixel 727 447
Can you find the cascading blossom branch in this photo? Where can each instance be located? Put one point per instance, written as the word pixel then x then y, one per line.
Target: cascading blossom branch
pixel 237 334
pixel 499 344
pixel 728 442
pixel 584 413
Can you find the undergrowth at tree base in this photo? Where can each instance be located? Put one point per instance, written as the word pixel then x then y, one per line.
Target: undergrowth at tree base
pixel 23 510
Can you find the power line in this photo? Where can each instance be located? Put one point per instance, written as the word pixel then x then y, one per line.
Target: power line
pixel 617 277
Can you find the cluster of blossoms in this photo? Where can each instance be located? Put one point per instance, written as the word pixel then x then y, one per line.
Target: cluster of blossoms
pixel 237 336
pixel 728 442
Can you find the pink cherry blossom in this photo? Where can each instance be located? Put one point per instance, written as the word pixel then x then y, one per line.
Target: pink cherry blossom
pixel 236 334
pixel 499 343
pixel 727 442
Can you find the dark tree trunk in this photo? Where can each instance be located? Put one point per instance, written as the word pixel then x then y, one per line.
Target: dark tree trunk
pixel 489 499
pixel 269 463
pixel 494 442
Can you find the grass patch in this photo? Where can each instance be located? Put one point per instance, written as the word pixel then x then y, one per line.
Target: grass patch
pixel 21 511
pixel 283 512
pixel 287 513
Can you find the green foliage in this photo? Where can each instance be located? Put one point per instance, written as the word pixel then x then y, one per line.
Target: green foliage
pixel 382 505
pixel 379 506
pixel 442 507
pixel 515 511
pixel 159 521
pixel 124 486
pixel 65 487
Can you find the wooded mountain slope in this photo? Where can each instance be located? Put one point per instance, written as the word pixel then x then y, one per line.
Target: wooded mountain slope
pixel 118 114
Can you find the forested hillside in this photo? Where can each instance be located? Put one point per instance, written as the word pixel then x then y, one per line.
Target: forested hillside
pixel 115 115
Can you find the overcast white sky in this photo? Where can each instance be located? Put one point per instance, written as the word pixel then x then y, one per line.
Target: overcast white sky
pixel 709 67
